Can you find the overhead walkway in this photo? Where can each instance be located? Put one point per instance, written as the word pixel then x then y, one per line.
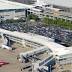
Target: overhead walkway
pixel 57 49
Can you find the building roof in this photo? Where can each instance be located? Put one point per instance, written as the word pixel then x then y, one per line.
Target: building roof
pixel 65 3
pixel 4 4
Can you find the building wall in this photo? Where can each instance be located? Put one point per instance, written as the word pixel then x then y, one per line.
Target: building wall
pixel 66 9
pixel 7 15
pixel 12 14
pixel 63 12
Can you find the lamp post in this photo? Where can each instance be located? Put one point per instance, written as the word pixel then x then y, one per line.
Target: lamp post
pixel 50 68
pixel 26 15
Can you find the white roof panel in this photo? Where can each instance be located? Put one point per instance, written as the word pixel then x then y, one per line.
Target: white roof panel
pixel 66 3
pixel 12 5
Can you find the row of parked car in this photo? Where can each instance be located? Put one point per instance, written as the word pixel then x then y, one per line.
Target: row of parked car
pixel 59 34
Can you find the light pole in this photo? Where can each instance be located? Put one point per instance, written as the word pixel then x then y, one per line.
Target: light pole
pixel 50 68
pixel 26 15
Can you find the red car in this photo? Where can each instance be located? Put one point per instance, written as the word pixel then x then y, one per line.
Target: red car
pixel 3 63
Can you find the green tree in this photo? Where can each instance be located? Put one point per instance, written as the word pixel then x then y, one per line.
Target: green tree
pixel 32 16
pixel 57 22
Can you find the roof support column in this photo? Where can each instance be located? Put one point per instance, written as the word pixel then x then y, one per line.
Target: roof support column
pixel 6 42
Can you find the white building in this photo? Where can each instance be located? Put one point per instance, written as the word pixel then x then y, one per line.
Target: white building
pixel 11 10
pixel 50 8
pixel 62 4
pixel 41 2
pixel 53 8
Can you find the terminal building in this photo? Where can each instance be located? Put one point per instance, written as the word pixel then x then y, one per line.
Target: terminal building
pixel 66 5
pixel 41 8
pixel 12 10
pixel 55 8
